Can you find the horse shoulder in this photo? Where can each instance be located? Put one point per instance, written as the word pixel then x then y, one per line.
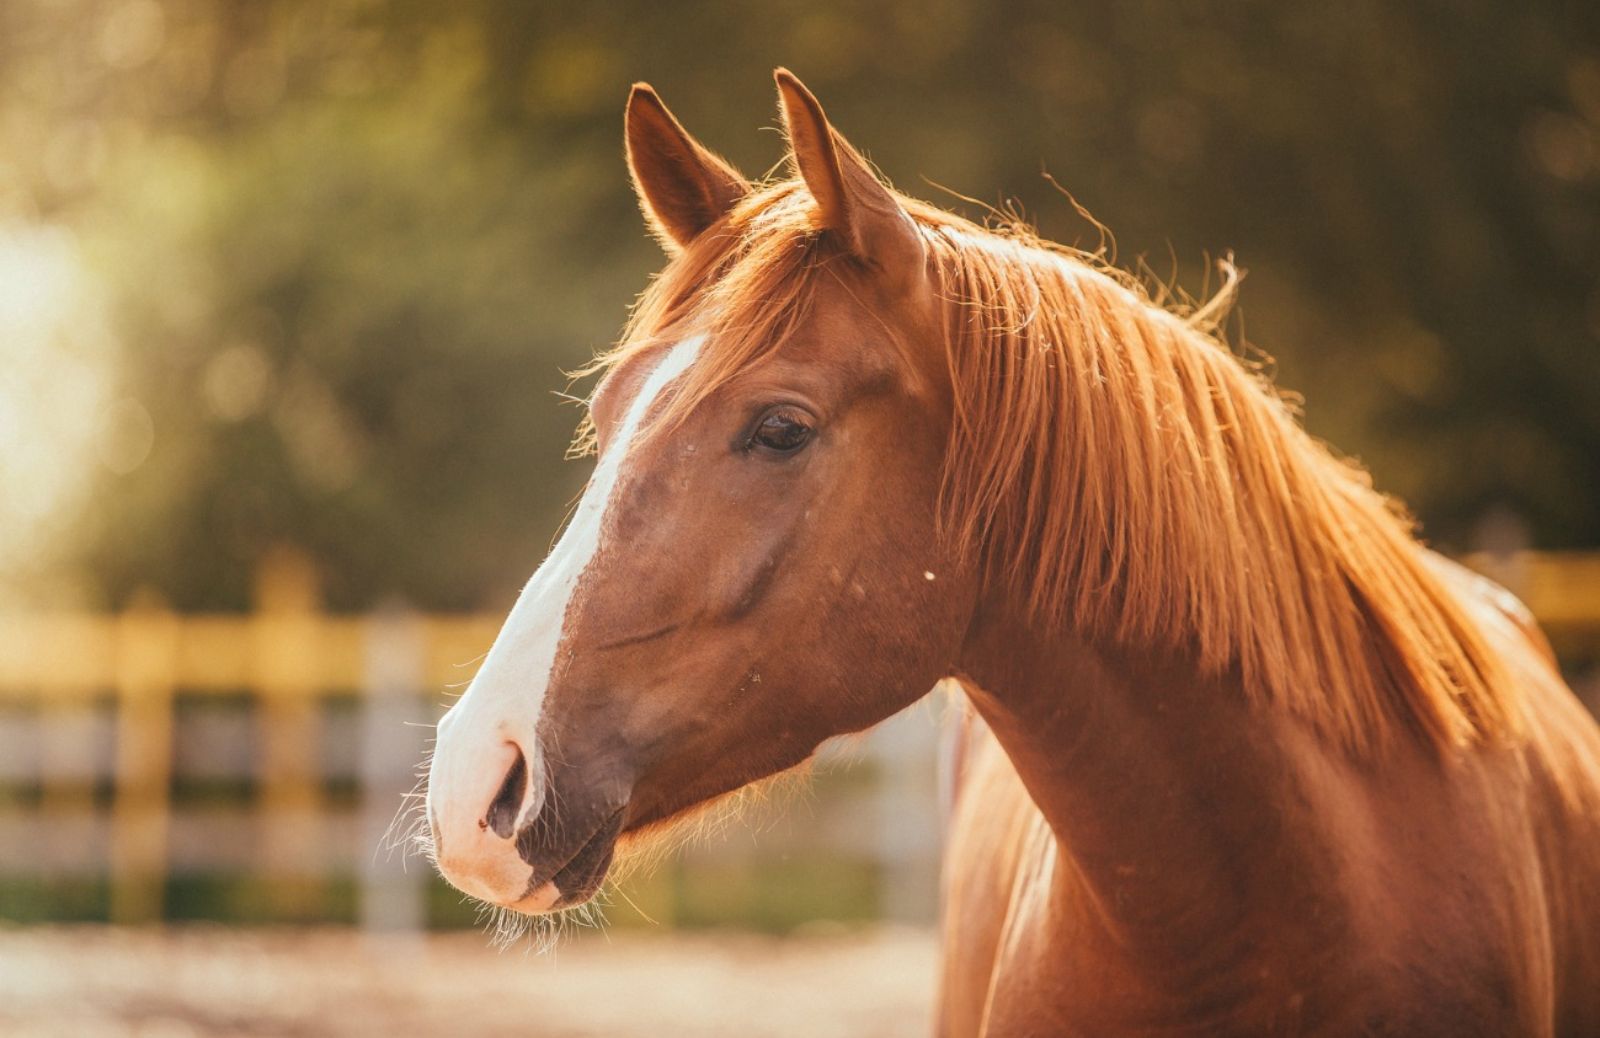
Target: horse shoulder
pixel 1560 757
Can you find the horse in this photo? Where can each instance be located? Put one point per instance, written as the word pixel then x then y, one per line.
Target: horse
pixel 1238 754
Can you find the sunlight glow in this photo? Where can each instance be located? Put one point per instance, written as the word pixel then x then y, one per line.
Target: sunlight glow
pixel 55 380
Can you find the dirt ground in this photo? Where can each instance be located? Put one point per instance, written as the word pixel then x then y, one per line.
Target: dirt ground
pixel 88 982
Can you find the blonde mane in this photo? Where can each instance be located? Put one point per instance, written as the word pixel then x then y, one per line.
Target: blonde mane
pixel 1124 474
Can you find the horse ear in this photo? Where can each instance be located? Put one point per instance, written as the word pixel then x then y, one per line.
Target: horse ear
pixel 683 188
pixel 851 200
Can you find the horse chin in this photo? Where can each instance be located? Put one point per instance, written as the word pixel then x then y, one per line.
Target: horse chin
pixel 538 901
pixel 578 880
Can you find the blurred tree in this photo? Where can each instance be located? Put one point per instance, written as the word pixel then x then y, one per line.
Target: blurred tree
pixel 347 247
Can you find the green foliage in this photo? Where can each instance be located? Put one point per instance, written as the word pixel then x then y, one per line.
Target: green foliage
pixel 775 895
pixel 53 899
pixel 346 249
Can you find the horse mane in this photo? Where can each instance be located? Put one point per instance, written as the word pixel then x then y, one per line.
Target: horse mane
pixel 1117 467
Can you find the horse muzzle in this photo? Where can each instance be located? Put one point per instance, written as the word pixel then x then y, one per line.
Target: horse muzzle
pixel 508 832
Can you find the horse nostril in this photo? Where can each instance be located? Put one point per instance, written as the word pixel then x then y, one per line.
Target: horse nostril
pixel 502 813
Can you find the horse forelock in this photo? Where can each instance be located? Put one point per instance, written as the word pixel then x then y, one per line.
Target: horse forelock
pixel 1118 468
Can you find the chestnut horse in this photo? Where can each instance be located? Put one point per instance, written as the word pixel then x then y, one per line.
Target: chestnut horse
pixel 1242 756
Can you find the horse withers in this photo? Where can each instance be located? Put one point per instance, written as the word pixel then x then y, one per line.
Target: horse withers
pixel 1242 756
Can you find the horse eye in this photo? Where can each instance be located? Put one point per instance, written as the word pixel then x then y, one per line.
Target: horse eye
pixel 782 430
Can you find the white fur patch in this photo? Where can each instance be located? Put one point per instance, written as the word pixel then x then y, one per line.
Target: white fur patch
pixel 505 699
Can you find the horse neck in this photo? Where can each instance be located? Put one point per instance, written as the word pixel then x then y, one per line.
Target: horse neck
pixel 1190 818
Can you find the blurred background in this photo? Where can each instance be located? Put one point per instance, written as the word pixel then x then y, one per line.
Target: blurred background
pixel 287 290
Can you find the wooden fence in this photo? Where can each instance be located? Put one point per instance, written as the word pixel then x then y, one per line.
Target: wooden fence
pixel 61 676
pixel 288 657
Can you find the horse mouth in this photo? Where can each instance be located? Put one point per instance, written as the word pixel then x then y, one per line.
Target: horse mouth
pixel 580 878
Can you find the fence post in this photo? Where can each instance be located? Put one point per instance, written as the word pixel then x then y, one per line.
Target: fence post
pixel 393 893
pixel 146 670
pixel 287 668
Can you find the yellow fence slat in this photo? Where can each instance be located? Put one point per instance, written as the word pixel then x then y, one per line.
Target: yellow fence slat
pixel 215 653
pixel 146 672
pixel 455 646
pixel 287 640
pixel 62 652
pixel 1562 589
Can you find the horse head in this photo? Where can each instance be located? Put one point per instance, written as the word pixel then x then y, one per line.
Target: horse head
pixel 756 564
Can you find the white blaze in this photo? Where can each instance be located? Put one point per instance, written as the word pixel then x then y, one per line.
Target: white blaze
pixel 503 703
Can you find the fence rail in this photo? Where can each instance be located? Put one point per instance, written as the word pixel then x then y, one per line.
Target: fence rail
pixel 1562 588
pixel 289 657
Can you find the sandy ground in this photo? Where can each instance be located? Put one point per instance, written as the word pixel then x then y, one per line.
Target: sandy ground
pixel 92 981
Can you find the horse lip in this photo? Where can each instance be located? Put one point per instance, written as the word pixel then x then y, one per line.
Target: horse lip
pixel 579 877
